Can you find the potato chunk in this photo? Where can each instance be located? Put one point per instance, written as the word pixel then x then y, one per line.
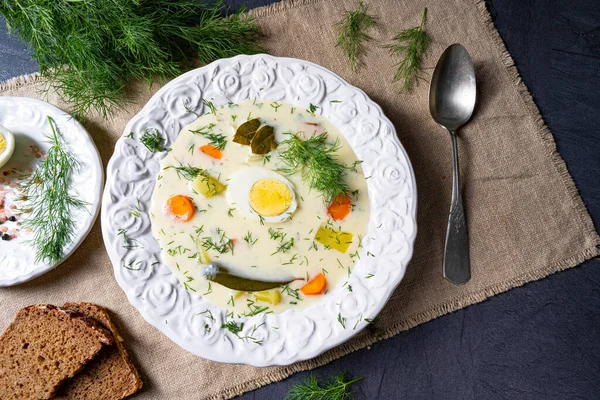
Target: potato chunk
pixel 333 239
pixel 206 185
pixel 269 296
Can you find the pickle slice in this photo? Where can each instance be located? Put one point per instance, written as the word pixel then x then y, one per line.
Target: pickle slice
pixel 264 140
pixel 246 131
pixel 220 275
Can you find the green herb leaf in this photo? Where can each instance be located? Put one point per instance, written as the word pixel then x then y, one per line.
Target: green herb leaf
pixel 311 389
pixel 216 139
pixel 351 33
pixel 152 140
pixel 90 49
pixel 411 46
pixel 51 202
pixel 320 168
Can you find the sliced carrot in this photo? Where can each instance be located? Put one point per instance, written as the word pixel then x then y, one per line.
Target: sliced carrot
pixel 212 151
pixel 316 285
pixel 180 208
pixel 340 207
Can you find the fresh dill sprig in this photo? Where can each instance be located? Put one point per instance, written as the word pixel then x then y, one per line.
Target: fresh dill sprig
pixel 411 46
pixel 351 33
pixel 310 389
pixel 152 140
pixel 316 158
pixel 90 49
pixel 48 197
pixel 216 139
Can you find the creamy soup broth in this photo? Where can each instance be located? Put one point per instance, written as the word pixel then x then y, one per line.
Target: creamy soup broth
pixel 216 218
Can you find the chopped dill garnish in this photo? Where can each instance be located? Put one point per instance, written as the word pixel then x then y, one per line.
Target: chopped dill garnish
pixel 250 239
pixel 275 105
pixel 222 245
pixel 188 109
pixel 284 247
pixel 48 196
pixel 254 309
pixel 315 157
pixel 311 109
pixel 190 173
pixel 230 212
pixel 341 320
pixel 352 34
pixel 277 234
pixel 291 292
pixel 211 107
pixel 411 46
pixel 136 210
pixel 216 139
pixel 152 140
pixel 233 327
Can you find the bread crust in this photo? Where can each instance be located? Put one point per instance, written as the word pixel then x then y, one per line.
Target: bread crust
pixel 44 346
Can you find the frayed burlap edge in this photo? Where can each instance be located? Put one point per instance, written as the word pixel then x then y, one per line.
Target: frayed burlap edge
pixel 368 338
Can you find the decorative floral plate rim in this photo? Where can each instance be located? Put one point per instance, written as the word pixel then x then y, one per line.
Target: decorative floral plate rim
pixel 266 339
pixel 26 118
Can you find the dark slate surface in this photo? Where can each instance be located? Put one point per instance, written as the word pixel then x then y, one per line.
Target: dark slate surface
pixel 540 341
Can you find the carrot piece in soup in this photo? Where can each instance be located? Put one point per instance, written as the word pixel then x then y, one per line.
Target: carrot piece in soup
pixel 316 285
pixel 212 151
pixel 180 208
pixel 340 207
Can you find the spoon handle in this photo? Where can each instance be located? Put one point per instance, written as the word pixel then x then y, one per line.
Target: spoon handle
pixel 456 254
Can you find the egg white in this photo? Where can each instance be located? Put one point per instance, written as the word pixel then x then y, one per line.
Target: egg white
pixel 238 191
pixel 10 145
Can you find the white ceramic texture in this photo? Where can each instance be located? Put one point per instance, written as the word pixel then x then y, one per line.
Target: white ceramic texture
pixel 293 335
pixel 27 119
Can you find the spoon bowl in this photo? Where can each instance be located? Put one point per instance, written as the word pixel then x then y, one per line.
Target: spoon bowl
pixel 451 103
pixel 453 91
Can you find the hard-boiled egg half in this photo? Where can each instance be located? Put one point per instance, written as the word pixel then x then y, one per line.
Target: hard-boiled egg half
pixel 7 145
pixel 262 194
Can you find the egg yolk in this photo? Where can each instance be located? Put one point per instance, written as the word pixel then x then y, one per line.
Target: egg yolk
pixel 270 197
pixel 2 143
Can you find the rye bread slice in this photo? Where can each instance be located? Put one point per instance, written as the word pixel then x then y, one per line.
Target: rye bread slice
pixel 42 347
pixel 111 375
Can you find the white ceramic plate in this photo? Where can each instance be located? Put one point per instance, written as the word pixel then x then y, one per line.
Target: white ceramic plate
pixel 293 335
pixel 27 119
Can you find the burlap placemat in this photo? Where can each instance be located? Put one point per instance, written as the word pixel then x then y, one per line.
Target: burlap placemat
pixel 525 217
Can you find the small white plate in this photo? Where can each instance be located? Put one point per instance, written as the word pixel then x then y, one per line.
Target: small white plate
pixel 266 339
pixel 27 119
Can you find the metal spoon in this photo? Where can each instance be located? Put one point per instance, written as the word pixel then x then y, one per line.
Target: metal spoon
pixel 451 103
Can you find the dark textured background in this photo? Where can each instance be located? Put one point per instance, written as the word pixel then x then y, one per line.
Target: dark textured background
pixel 540 341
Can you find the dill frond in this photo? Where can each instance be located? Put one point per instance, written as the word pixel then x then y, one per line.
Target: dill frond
pixel 351 34
pixel 49 197
pixel 310 389
pixel 187 172
pixel 152 140
pixel 216 139
pixel 90 49
pixel 411 46
pixel 315 157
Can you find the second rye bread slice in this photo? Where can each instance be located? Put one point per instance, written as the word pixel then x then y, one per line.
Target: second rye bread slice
pixel 42 347
pixel 111 375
